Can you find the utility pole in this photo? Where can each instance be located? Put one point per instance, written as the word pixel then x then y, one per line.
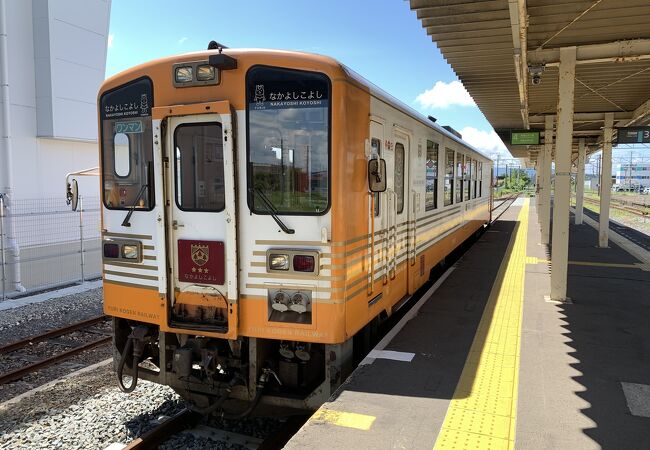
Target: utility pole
pixel 630 180
pixel 497 172
pixel 598 170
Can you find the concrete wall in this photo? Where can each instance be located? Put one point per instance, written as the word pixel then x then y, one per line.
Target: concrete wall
pixel 57 54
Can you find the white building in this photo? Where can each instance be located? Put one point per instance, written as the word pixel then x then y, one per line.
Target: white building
pixel 52 62
pixel 633 174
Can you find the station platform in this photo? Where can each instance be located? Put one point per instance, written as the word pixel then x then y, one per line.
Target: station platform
pixel 487 362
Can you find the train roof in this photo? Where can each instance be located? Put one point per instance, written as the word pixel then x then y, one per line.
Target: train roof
pixel 284 56
pixel 390 99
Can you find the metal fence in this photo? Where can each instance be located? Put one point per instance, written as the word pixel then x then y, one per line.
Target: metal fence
pixel 43 244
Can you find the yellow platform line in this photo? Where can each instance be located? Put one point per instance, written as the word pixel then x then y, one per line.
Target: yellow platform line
pixel 535 260
pixel 482 412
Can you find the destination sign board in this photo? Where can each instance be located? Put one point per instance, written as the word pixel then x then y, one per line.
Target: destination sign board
pixel 132 126
pixel 634 135
pixel 524 137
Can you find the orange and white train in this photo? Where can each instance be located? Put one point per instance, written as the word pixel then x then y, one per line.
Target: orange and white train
pixel 262 208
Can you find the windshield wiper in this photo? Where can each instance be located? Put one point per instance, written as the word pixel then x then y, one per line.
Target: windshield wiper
pixel 125 222
pixel 274 212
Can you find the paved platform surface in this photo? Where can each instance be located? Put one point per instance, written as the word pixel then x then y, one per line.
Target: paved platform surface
pixel 488 363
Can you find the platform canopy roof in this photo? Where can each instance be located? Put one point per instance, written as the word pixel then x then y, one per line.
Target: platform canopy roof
pixel 495 47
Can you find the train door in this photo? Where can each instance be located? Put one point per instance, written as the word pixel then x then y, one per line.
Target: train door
pixel 201 221
pixel 400 205
pixel 378 245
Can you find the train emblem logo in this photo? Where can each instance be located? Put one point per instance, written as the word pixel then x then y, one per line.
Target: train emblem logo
pixel 259 94
pixel 200 254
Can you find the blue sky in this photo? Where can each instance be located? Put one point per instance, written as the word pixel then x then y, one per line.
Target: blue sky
pixel 382 40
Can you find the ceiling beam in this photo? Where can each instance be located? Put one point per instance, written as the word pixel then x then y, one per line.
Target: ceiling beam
pixel 519 28
pixel 619 51
pixel 638 114
pixel 588 117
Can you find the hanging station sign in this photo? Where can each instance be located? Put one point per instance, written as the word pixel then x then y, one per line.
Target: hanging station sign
pixel 525 137
pixel 633 135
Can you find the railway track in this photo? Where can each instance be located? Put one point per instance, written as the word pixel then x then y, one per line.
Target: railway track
pixel 622 207
pixel 189 422
pixel 86 327
pixel 507 202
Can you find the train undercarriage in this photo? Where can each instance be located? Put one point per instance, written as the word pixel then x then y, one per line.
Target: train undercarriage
pixel 231 378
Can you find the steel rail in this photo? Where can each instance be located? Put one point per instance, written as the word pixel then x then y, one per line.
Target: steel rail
pixel 513 198
pixel 21 372
pixel 186 419
pixel 278 440
pixel 629 209
pixel 50 334
pixel 154 437
pixel 502 200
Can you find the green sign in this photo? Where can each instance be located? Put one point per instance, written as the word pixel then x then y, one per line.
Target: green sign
pixel 132 126
pixel 524 138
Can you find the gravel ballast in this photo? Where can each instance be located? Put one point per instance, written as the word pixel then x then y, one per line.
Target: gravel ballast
pixel 19 323
pixel 86 411
pixel 36 318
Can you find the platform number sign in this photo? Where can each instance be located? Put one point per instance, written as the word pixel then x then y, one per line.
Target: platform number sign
pixel 524 137
pixel 633 135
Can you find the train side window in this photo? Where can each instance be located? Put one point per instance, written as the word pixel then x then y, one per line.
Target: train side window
pixel 480 179
pixel 459 177
pixel 467 176
pixel 474 180
pixel 431 177
pixel 122 155
pixel 399 177
pixel 449 177
pixel 375 145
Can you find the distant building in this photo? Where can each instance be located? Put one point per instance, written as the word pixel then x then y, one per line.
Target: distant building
pixel 56 61
pixel 633 174
pixel 52 62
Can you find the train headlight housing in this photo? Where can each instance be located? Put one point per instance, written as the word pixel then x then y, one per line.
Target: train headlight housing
pixel 130 252
pixel 278 262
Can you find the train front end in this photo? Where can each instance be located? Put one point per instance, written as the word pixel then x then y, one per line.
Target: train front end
pixel 216 228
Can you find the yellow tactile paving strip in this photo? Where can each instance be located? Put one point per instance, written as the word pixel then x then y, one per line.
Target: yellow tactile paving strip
pixel 535 260
pixel 482 412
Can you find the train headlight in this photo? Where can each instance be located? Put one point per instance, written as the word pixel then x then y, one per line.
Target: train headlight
pixel 183 74
pixel 130 252
pixel 278 262
pixel 205 73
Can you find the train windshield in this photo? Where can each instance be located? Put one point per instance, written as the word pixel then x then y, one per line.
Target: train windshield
pixel 127 147
pixel 288 141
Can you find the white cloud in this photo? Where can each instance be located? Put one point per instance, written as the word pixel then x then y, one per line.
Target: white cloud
pixel 443 95
pixel 486 141
pixel 182 40
pixel 110 40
